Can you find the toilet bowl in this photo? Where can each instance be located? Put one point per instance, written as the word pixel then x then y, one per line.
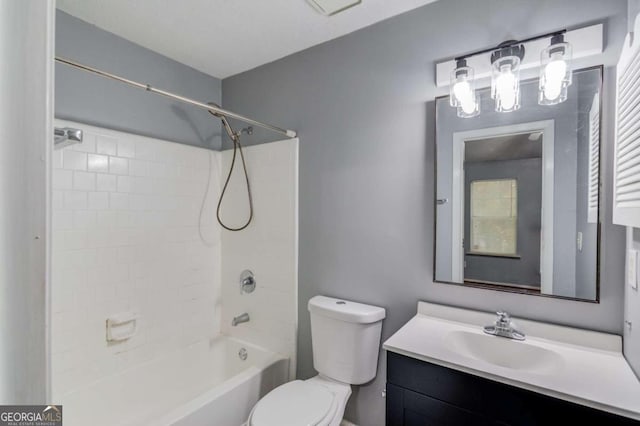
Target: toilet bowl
pixel 315 402
pixel 345 337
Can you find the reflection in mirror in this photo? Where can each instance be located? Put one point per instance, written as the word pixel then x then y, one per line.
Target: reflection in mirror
pixel 503 202
pixel 517 194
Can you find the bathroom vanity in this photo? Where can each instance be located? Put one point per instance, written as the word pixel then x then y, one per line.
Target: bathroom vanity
pixel 442 369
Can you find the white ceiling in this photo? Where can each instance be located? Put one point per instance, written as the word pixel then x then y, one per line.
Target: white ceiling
pixel 226 37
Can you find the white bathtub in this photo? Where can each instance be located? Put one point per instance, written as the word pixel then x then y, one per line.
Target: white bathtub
pixel 206 384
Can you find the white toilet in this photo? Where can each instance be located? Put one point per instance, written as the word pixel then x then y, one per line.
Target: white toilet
pixel 346 338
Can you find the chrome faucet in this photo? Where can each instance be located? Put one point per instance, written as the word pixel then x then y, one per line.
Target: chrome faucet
pixel 240 319
pixel 504 328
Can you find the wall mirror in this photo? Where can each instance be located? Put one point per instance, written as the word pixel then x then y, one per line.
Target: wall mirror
pixel 517 193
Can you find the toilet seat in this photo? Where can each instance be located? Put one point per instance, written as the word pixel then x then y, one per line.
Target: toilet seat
pixel 295 403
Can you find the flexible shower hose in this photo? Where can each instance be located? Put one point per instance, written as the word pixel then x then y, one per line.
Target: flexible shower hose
pixel 236 147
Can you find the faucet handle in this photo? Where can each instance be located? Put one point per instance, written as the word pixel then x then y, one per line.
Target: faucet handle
pixel 503 317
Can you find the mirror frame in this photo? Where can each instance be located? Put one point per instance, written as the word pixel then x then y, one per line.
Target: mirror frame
pixel 509 289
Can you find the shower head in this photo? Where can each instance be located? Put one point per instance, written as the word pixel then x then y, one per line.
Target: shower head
pixel 65 136
pixel 227 127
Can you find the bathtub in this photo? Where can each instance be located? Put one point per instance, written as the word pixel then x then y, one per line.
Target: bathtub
pixel 206 384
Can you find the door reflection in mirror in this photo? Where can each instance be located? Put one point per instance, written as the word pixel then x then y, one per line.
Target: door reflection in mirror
pixel 522 194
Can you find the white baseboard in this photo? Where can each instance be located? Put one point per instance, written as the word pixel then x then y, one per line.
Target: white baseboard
pixel 347 423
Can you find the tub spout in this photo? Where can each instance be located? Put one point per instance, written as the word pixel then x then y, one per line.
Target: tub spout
pixel 240 319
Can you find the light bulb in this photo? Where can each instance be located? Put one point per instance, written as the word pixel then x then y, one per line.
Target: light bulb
pixel 462 91
pixel 505 77
pixel 466 98
pixel 506 88
pixel 462 94
pixel 469 107
pixel 554 74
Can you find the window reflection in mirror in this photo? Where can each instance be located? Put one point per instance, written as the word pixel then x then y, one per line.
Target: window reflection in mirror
pixel 518 193
pixel 493 211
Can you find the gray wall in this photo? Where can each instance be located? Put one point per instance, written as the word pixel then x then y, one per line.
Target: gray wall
pixel 363 106
pixel 91 99
pixel 524 270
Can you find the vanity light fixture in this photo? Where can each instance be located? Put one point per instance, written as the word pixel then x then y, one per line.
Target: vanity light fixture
pixel 505 76
pixel 555 76
pixel 463 92
pixel 555 72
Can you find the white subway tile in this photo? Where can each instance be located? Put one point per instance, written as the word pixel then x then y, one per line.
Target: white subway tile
pixel 138 168
pixel 118 166
pixel 106 145
pixel 88 143
pixel 138 202
pixel 106 219
pixel 62 301
pixel 126 148
pixel 62 219
pixel 83 181
pixel 98 163
pixel 74 240
pixel 71 259
pixel 119 272
pixel 105 182
pixel 62 179
pixel 84 219
pixel 56 159
pixel 75 200
pixel 146 149
pixel 107 256
pixel 124 184
pixel 118 201
pixel 157 170
pixel 105 292
pixel 123 218
pixel 114 231
pixel 121 237
pixel 125 254
pixel 73 160
pixel 98 238
pixel 143 185
pixel 64 340
pixel 65 361
pixel 57 199
pixel 98 200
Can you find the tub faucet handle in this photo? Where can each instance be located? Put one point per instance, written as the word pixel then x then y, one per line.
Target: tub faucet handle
pixel 247 282
pixel 503 318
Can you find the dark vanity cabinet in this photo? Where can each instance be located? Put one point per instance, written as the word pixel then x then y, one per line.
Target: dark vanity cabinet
pixel 424 394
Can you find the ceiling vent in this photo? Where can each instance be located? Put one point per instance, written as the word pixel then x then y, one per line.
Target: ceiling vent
pixel 331 7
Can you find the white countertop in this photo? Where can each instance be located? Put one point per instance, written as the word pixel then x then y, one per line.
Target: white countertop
pixel 593 370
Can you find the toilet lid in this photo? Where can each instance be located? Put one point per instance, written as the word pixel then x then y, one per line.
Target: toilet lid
pixel 293 404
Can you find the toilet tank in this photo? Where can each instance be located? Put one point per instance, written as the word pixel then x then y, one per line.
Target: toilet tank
pixel 346 339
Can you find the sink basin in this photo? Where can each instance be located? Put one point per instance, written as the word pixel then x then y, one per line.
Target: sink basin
pixel 503 352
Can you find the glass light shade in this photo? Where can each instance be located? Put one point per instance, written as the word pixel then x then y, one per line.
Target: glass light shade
pixel 463 93
pixel 505 83
pixel 555 74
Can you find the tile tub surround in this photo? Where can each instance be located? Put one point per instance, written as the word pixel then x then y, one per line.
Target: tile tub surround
pixel 268 247
pixel 125 238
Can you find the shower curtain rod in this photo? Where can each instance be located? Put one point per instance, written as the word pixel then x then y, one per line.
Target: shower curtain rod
pixel 149 88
